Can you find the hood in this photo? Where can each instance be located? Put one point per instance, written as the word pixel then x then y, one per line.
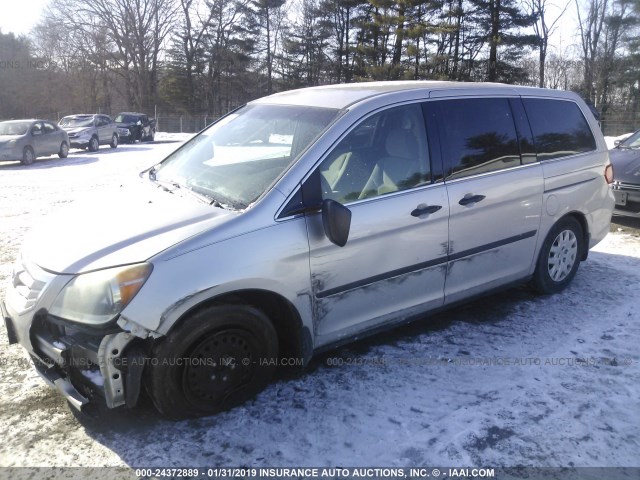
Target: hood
pixel 7 138
pixel 626 165
pixel 117 228
pixel 75 129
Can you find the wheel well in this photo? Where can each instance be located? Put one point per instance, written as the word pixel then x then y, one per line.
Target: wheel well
pixel 585 231
pixel 294 341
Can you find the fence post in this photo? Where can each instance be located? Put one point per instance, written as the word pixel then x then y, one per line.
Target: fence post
pixel 180 123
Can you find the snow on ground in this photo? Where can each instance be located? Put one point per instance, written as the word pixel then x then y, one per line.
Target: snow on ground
pixel 512 379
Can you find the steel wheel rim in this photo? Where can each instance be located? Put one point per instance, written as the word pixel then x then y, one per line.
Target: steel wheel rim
pixel 29 156
pixel 219 365
pixel 94 144
pixel 562 255
pixel 65 149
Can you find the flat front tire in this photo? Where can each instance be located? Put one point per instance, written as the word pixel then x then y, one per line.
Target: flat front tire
pixel 218 358
pixel 559 257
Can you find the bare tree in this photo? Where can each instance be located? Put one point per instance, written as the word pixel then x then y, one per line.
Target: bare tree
pixel 590 25
pixel 543 30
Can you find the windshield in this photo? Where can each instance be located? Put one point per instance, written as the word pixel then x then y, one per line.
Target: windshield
pixel 76 122
pixel 632 142
pixel 234 161
pixel 14 128
pixel 126 118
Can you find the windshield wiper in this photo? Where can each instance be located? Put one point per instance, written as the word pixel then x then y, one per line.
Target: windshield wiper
pixel 205 198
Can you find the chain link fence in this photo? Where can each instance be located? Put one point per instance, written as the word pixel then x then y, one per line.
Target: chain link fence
pixel 183 123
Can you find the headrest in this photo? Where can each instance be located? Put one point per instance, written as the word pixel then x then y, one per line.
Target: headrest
pixel 401 143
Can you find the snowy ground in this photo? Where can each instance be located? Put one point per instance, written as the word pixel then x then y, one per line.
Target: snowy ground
pixel 513 379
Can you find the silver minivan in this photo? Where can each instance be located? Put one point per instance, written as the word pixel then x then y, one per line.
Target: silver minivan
pixel 301 221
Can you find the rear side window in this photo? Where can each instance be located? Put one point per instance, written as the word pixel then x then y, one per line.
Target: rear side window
pixel 478 136
pixel 559 128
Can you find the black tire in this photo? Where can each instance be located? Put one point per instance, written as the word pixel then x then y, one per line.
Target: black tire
pixel 114 141
pixel 28 157
pixel 227 355
pixel 64 150
pixel 152 135
pixel 94 144
pixel 560 256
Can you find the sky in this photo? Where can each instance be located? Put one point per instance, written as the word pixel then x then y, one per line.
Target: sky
pixel 20 16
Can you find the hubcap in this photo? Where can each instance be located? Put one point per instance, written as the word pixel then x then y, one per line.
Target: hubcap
pixel 219 365
pixel 65 149
pixel 563 255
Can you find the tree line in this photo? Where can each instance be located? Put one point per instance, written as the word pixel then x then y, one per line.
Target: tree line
pixel 204 57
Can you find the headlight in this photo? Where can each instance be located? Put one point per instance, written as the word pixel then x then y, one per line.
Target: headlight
pixel 96 298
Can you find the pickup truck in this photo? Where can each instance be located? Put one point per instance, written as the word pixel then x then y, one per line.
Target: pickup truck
pixel 134 127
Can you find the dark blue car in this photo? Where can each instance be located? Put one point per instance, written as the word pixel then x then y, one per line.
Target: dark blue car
pixel 625 158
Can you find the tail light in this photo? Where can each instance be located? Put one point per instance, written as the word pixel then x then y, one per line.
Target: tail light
pixel 608 174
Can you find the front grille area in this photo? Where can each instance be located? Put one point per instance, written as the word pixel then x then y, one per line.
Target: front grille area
pixel 626 186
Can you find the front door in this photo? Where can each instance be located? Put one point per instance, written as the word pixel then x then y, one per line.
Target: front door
pixel 393 265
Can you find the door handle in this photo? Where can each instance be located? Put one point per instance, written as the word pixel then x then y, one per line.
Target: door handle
pixel 424 210
pixel 467 199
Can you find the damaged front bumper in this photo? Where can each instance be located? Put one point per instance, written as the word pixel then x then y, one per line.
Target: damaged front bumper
pixel 85 364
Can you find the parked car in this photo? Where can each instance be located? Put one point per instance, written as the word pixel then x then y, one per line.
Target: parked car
pixel 90 131
pixel 304 220
pixel 134 127
pixel 625 158
pixel 26 140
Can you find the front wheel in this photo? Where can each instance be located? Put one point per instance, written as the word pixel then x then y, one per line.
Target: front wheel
pixel 218 358
pixel 94 144
pixel 64 150
pixel 114 141
pixel 559 257
pixel 28 156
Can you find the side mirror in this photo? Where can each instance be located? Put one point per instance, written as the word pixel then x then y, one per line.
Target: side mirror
pixel 336 220
pixel 617 142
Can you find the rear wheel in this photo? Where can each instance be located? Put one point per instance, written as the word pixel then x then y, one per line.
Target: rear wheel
pixel 94 145
pixel 28 156
pixel 64 150
pixel 559 257
pixel 218 358
pixel 114 141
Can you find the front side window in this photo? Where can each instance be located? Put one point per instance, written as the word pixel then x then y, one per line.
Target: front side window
pixel 631 142
pixel 49 128
pixel 478 136
pixel 385 153
pixel 234 161
pixel 559 128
